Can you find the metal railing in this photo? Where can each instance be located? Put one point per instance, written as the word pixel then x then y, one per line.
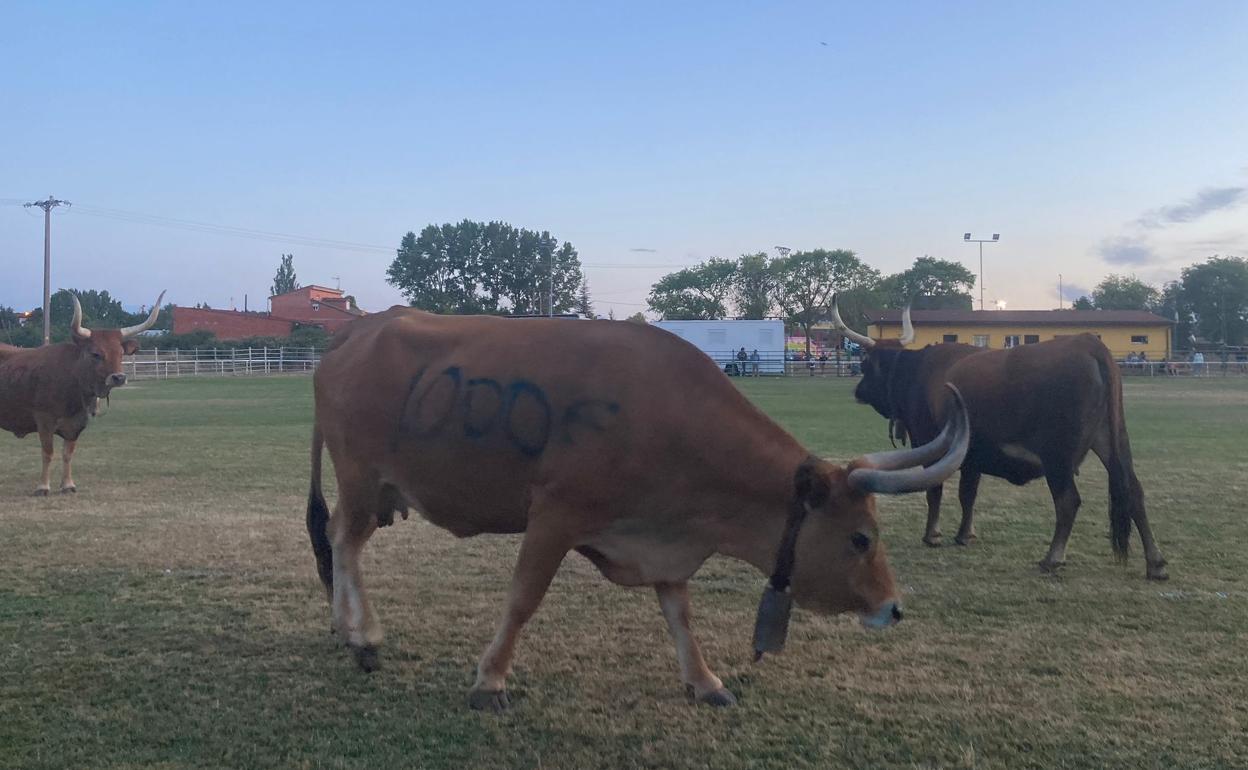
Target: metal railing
pixel 219 362
pixel 1215 368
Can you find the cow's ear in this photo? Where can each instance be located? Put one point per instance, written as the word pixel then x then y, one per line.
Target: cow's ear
pixel 129 347
pixel 812 484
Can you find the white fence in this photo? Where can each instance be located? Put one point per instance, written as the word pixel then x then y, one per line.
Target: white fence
pixel 218 362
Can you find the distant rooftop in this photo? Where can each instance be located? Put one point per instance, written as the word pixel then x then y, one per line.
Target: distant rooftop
pixel 1020 317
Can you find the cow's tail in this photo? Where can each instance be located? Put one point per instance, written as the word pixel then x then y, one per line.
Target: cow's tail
pixel 318 517
pixel 1126 497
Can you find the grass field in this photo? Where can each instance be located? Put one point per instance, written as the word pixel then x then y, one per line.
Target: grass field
pixel 168 615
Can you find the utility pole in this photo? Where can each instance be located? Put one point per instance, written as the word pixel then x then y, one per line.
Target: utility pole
pixel 1059 291
pixel 551 293
pixel 981 241
pixel 47 206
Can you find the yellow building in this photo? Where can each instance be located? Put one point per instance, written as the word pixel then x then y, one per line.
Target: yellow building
pixel 1123 331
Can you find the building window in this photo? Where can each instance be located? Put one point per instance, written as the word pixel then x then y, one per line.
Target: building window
pixel 1139 339
pixel 1012 340
pixel 950 338
pixel 316 306
pixel 980 340
pixel 1031 339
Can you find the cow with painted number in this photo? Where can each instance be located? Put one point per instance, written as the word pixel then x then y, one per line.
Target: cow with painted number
pixel 619 441
pixel 54 390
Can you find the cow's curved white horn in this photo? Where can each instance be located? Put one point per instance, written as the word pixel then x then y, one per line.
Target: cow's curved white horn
pixel 907 328
pixel 75 325
pixel 861 339
pixel 130 331
pixel 917 479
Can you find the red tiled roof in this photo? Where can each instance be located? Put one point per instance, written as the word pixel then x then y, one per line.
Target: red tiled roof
pixel 1020 317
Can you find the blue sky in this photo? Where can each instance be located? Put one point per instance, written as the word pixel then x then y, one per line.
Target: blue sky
pixel 1095 137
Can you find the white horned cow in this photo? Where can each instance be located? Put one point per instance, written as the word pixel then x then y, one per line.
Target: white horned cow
pixel 54 390
pixel 617 440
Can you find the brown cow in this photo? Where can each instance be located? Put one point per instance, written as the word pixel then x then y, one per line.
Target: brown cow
pixel 620 441
pixel 1035 411
pixel 54 390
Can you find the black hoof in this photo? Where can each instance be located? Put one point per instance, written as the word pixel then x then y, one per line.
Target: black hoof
pixel 719 698
pixel 1158 572
pixel 1051 567
pixel 41 492
pixel 965 540
pixel 366 657
pixel 932 541
pixel 69 490
pixel 489 700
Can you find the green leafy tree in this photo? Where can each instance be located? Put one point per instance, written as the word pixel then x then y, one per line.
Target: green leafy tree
pixel 584 305
pixel 806 281
pixel 695 293
pixel 1120 292
pixel 754 285
pixel 930 284
pixel 284 281
pixel 638 318
pixel 1083 303
pixel 1215 296
pixel 441 270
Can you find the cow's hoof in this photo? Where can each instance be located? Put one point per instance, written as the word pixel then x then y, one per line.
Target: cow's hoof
pixel 721 697
pixel 69 490
pixel 1051 567
pixel 489 700
pixel 366 657
pixel 966 540
pixel 932 540
pixel 1158 572
pixel 42 492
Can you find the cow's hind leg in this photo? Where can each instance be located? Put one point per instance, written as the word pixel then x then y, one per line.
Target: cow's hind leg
pixel 968 490
pixel 541 553
pixel 1066 502
pixel 67 476
pixel 705 686
pixel 353 522
pixel 46 444
pixel 1126 498
pixel 931 534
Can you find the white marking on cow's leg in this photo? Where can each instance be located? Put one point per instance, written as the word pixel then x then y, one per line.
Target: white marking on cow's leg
pixel 674 600
pixel 67 476
pixel 45 443
pixel 353 616
pixel 542 551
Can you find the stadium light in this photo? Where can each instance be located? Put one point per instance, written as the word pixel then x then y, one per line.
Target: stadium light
pixel 981 241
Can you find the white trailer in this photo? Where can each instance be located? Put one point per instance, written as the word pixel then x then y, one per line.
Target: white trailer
pixel 723 340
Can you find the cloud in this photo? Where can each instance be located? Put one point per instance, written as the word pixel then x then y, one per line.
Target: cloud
pixel 647 251
pixel 1206 201
pixel 1127 250
pixel 1074 291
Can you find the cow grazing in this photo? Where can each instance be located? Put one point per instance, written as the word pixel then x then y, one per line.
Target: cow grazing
pixel 54 390
pixel 620 441
pixel 1035 411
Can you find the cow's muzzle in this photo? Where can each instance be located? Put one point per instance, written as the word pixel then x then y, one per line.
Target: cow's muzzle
pixel 116 380
pixel 888 614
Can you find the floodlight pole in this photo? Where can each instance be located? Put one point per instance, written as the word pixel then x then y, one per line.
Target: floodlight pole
pixel 47 206
pixel 996 237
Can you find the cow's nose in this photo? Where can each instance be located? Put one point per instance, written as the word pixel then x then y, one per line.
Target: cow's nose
pixel 897 613
pixel 116 380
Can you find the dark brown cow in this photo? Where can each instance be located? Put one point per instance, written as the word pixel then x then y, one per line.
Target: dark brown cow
pixel 54 390
pixel 1035 411
pixel 617 440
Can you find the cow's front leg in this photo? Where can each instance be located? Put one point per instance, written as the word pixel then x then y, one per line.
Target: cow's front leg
pixel 968 490
pixel 541 553
pixel 931 535
pixel 706 687
pixel 67 476
pixel 45 443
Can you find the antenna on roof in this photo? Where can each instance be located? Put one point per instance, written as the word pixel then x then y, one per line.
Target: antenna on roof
pixel 337 282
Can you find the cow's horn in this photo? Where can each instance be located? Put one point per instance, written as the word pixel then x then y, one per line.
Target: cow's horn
pixel 892 479
pixel 861 339
pixel 75 325
pixel 130 331
pixel 907 328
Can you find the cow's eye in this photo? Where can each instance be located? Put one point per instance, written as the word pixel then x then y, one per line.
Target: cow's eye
pixel 861 542
pixel 97 355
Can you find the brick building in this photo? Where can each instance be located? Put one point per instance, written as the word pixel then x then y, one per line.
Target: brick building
pixel 307 305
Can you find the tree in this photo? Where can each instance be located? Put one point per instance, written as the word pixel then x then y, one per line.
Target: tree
pixel 753 284
pixel 474 267
pixel 930 284
pixel 1120 292
pixel 695 293
pixel 638 318
pixel 284 280
pixel 1083 303
pixel 1215 296
pixel 806 281
pixel 584 305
